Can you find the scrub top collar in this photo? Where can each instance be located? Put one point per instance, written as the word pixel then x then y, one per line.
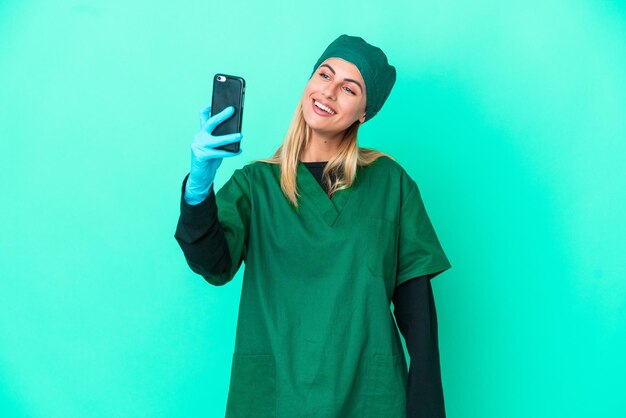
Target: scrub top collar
pixel 330 208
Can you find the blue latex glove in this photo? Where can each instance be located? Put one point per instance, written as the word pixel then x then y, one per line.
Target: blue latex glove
pixel 205 159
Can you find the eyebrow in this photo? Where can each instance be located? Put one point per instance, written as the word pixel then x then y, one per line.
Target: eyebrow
pixel 346 79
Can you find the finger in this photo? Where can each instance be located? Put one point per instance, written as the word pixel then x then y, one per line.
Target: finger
pixel 219 118
pixel 226 139
pixel 217 153
pixel 232 154
pixel 205 114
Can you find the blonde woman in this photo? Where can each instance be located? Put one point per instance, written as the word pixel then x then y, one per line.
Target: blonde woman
pixel 331 234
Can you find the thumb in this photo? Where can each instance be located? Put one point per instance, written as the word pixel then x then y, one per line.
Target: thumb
pixel 219 118
pixel 205 114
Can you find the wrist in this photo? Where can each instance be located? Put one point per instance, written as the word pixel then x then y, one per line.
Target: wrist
pixel 195 196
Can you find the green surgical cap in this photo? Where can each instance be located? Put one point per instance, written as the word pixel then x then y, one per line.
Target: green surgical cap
pixel 371 61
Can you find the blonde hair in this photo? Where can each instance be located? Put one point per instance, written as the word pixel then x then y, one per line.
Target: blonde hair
pixel 343 165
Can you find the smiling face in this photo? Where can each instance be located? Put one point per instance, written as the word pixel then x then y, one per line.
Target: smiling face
pixel 336 85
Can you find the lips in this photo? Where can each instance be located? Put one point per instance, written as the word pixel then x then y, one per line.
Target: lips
pixel 322 112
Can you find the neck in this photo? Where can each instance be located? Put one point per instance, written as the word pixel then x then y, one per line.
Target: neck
pixel 321 148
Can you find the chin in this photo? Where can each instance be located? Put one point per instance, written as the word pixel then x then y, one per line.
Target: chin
pixel 321 125
pixel 313 121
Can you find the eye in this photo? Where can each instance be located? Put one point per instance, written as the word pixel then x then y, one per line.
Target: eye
pixel 350 90
pixel 324 75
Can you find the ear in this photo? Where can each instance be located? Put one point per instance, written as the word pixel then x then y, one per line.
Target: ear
pixel 362 118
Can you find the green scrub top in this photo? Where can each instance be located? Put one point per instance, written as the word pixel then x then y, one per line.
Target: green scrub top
pixel 303 348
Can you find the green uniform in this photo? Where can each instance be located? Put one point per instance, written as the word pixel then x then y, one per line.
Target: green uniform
pixel 304 349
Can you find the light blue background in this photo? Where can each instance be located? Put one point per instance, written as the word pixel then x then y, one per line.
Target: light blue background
pixel 510 117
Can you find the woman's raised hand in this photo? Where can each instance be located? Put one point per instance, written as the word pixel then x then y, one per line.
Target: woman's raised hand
pixel 205 159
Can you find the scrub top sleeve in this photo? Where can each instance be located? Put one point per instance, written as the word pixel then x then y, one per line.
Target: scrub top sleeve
pixel 419 250
pixel 414 309
pixel 201 237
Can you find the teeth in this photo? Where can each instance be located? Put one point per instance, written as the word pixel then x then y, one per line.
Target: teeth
pixel 321 106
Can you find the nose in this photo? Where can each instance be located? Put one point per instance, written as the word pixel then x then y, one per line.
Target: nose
pixel 329 90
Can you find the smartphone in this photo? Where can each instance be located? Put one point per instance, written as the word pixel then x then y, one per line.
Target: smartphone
pixel 228 90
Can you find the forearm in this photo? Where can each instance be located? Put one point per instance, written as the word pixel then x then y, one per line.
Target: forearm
pixel 201 236
pixel 415 313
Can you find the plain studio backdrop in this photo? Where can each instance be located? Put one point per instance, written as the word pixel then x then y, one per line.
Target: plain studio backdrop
pixel 509 116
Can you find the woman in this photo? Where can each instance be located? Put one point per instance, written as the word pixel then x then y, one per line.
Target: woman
pixel 330 234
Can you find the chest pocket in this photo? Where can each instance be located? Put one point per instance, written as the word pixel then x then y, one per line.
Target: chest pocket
pixel 382 248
